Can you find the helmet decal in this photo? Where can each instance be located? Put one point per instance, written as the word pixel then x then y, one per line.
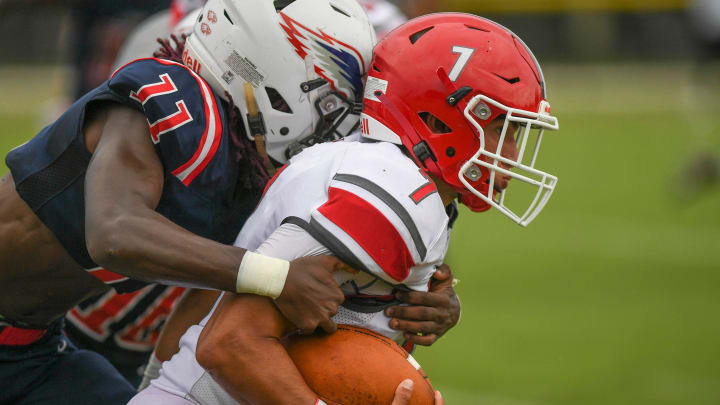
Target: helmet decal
pixel 337 62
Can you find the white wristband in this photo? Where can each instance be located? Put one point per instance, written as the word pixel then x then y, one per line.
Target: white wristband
pixel 262 275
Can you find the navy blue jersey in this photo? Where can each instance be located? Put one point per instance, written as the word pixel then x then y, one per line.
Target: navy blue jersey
pixel 189 128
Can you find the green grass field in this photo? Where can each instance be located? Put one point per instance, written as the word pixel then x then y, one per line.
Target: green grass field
pixel 612 295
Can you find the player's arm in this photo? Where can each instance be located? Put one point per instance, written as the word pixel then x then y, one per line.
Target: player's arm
pixel 125 234
pixel 240 347
pixel 123 185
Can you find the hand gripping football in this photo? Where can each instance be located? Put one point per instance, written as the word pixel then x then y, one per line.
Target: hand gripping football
pixel 355 366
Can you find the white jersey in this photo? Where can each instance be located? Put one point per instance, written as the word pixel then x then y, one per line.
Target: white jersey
pixel 368 204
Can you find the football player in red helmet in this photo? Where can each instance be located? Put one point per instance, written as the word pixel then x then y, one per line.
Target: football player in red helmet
pixel 454 89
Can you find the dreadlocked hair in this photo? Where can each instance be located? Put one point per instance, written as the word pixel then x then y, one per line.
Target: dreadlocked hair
pixel 251 172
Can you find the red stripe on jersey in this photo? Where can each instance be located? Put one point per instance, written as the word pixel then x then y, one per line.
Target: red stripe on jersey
pixel 213 132
pixel 422 192
pixel 145 331
pixel 106 276
pixel 167 124
pixel 272 180
pixel 12 336
pixel 94 320
pixel 371 230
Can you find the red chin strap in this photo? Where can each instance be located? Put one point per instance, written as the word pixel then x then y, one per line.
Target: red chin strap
pixel 475 203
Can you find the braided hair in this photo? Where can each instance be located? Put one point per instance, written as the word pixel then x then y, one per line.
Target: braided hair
pixel 252 175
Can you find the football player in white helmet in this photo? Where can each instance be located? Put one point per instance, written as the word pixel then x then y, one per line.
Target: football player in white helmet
pixel 128 356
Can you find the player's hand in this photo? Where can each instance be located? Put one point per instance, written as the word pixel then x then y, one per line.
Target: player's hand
pixel 403 393
pixel 311 296
pixel 432 313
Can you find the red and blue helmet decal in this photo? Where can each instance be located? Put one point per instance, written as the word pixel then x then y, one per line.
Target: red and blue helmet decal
pixel 335 61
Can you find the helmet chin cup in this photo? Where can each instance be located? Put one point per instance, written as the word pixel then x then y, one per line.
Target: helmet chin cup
pixel 474 203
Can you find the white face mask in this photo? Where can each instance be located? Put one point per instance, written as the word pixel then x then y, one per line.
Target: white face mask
pixel 538 185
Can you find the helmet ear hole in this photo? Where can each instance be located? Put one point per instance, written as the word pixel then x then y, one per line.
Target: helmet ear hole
pixel 434 124
pixel 281 4
pixel 416 36
pixel 228 17
pixel 339 10
pixel 277 102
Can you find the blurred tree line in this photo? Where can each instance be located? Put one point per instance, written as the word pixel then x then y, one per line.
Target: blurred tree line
pixel 45 31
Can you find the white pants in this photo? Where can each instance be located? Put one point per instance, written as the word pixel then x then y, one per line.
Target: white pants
pixel 155 396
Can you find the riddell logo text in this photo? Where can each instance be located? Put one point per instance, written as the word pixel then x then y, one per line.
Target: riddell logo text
pixel 190 62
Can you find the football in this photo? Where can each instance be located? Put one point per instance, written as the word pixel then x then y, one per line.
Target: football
pixel 355 366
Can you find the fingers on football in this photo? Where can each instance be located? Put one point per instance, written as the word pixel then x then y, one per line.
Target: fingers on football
pixel 328 326
pixel 403 393
pixel 306 327
pixel 424 340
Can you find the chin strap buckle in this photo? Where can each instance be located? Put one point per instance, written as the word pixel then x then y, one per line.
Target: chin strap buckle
pixel 356 108
pixel 422 152
pixel 256 123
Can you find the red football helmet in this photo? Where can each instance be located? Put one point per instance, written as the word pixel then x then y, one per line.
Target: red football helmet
pixel 437 81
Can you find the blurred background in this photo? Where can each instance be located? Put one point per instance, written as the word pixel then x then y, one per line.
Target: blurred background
pixel 612 296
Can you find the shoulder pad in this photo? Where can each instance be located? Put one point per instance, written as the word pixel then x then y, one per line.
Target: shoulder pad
pixel 385 211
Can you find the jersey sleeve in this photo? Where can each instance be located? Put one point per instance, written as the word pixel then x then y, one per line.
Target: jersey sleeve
pixel 384 218
pixel 184 116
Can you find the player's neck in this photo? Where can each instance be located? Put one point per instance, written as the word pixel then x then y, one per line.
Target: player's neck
pixel 447 193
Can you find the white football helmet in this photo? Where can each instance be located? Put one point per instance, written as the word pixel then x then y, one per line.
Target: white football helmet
pixel 302 61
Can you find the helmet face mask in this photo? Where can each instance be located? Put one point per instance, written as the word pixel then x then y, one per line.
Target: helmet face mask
pixel 338 117
pixel 486 164
pixel 295 58
pixel 443 118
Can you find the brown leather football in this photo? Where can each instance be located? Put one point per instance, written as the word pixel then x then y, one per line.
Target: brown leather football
pixel 355 366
